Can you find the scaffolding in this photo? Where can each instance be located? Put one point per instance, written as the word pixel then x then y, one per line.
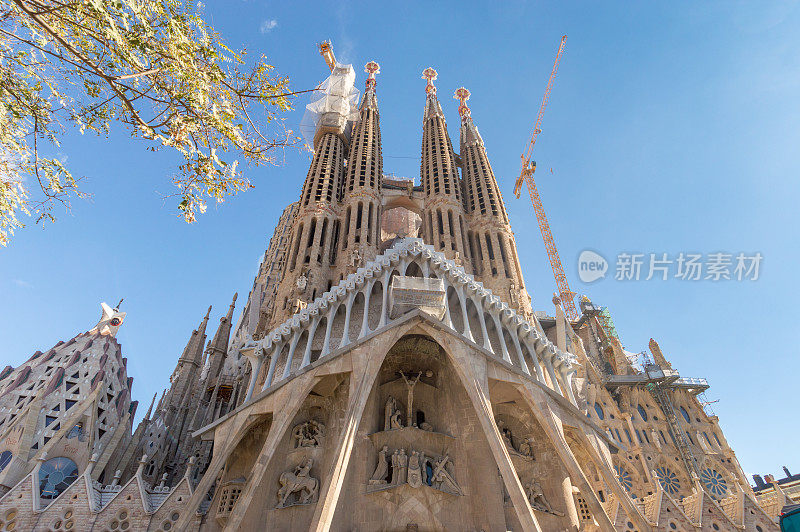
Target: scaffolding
pixel 674 427
pixel 608 324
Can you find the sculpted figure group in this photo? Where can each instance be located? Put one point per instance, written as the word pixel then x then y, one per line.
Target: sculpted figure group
pixel 414 469
pixel 308 434
pixel 525 447
pixel 393 415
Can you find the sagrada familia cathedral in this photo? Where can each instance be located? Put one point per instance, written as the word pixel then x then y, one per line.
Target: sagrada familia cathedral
pixel 387 372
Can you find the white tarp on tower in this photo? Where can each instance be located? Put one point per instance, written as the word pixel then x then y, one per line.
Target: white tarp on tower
pixel 333 104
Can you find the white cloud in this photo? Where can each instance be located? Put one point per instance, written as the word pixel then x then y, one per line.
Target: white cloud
pixel 268 25
pixel 21 283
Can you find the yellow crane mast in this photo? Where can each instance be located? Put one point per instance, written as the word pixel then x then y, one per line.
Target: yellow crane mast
pixel 526 174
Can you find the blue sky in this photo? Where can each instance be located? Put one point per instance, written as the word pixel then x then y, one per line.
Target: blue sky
pixel 672 128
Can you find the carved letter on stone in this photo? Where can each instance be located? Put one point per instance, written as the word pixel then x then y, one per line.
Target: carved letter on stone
pixel 299 482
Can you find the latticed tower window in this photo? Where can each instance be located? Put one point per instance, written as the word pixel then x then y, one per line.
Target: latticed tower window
pixel 583 509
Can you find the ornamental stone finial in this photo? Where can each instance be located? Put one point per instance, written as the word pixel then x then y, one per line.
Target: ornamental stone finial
pixel 462 95
pixel 430 74
pixel 371 69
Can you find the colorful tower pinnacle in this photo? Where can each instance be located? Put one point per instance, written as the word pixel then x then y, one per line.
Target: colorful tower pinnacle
pixel 443 220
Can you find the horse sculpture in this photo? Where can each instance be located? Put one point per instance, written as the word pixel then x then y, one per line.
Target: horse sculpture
pixel 299 481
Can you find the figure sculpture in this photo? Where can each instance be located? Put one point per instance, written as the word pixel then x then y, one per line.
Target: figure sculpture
pixel 537 500
pixel 300 482
pixel 410 405
pixel 355 259
pixel 382 469
pixel 414 473
pixel 308 434
pixel 402 461
pixel 526 448
pixel 391 415
pixel 442 479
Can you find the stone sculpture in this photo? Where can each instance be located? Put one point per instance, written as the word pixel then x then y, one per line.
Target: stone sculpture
pixel 392 415
pixel 410 404
pixel 308 434
pixel 355 259
pixel 537 500
pixel 506 433
pixel 442 479
pixel 299 482
pixel 415 469
pixel 526 448
pixel 414 473
pixel 382 469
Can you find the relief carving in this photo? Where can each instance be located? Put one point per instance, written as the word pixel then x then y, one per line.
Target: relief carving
pixel 414 469
pixel 382 469
pixel 298 482
pixel 308 434
pixel 537 500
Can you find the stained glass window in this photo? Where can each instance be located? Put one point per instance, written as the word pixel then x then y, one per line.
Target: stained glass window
pixel 685 415
pixel 55 476
pixel 624 478
pixel 642 412
pixel 5 459
pixel 668 480
pixel 599 410
pixel 714 482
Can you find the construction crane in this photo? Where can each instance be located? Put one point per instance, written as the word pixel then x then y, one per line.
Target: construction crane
pixel 326 51
pixel 526 174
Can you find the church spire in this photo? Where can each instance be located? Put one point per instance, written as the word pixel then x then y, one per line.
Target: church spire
pixel 443 222
pixel 483 194
pixel 150 409
pixel 218 346
pixel 491 242
pixel 364 173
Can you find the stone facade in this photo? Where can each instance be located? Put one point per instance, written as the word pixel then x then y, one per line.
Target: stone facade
pixel 387 373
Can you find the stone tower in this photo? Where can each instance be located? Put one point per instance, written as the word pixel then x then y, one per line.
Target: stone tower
pixel 315 229
pixel 443 220
pixel 492 248
pixel 408 388
pixel 67 407
pixel 361 197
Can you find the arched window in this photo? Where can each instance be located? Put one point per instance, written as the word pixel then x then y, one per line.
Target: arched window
pixel 599 410
pixel 685 415
pixel 5 459
pixel 55 476
pixel 642 412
